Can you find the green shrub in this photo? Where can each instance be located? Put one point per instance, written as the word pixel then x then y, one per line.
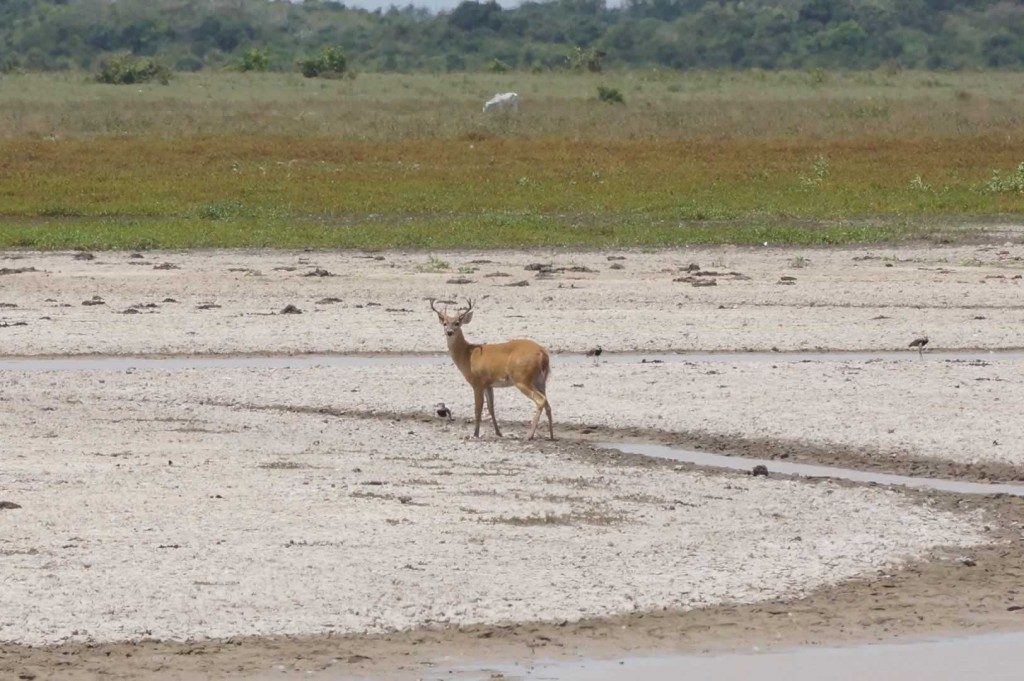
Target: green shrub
pixel 586 60
pixel 254 60
pixel 498 66
pixel 330 63
pixel 9 63
pixel 124 69
pixel 1003 184
pixel 610 95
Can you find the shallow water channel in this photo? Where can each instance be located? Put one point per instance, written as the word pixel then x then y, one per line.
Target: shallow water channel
pixel 739 463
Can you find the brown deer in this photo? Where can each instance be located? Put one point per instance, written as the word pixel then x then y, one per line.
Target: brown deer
pixel 519 362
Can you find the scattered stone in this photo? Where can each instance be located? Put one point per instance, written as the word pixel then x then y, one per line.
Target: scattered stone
pixel 8 506
pixel 1015 608
pixel 616 257
pixel 692 267
pixel 16 270
pixel 84 255
pixel 130 310
pixel 168 300
pixel 967 562
pixel 481 261
pixel 291 309
pixel 136 256
pixel 166 266
pixel 459 280
pixel 207 306
pixel 328 301
pixel 497 274
pixel 5 325
pixel 538 267
pixel 760 470
pixel 355 659
pixel 95 300
pixel 519 283
pixel 616 266
pixel 319 272
pixel 8 305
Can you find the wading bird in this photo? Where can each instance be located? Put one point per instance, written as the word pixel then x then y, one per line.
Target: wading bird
pixel 521 363
pixel 443 411
pixel 595 352
pixel 919 343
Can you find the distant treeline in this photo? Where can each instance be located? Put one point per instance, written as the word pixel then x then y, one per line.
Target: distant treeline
pixel 683 34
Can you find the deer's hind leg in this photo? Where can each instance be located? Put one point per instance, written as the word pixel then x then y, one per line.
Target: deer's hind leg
pixel 541 401
pixel 540 383
pixel 489 394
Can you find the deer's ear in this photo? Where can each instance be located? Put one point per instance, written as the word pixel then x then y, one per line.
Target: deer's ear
pixel 467 318
pixel 440 317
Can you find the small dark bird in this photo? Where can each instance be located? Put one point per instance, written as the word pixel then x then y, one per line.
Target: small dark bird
pixel 444 412
pixel 595 352
pixel 919 343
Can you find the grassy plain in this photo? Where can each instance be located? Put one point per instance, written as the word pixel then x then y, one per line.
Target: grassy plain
pixel 390 160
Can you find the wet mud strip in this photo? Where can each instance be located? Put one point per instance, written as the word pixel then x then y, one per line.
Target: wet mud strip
pixel 768 449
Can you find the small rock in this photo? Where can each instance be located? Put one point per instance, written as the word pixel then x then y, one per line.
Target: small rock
pixel 318 272
pixel 355 659
pixel 616 257
pixel 84 255
pixel 537 267
pixel 136 256
pixel 166 266
pixel 169 300
pixel 291 309
pixel 328 301
pixel 616 266
pixel 130 310
pixel 8 506
pixel 519 283
pixel 207 306
pixel 459 280
pixel 760 470
pixel 967 562
pixel 95 300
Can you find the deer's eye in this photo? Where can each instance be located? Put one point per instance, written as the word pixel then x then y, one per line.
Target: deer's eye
pixel 457 324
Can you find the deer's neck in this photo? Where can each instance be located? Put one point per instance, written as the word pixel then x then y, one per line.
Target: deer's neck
pixel 459 348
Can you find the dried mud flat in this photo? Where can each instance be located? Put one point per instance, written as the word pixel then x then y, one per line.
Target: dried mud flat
pixel 231 522
pixel 692 299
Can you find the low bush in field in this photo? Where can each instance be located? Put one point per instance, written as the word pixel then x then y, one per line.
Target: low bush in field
pixel 610 95
pixel 330 63
pixel 124 69
pixel 1010 183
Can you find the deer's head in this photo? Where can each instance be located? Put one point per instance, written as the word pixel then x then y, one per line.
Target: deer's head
pixel 453 323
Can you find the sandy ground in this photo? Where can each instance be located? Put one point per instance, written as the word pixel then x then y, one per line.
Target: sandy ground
pixel 178 520
pixel 309 512
pixel 872 298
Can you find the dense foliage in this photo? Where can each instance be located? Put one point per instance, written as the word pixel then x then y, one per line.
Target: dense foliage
pixel 770 34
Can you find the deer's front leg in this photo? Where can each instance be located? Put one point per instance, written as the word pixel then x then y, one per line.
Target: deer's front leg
pixel 490 407
pixel 478 398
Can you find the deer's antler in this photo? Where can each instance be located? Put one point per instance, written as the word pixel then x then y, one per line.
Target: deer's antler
pixel 469 308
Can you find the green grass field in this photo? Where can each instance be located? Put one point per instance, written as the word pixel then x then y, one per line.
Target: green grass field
pixel 387 160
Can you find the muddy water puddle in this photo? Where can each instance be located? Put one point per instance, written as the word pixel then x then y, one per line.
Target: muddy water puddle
pixel 184 362
pixel 992 657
